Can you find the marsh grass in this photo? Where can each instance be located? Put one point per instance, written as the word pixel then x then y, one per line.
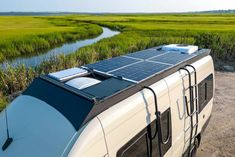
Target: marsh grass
pixel 3 101
pixel 138 32
pixel 45 33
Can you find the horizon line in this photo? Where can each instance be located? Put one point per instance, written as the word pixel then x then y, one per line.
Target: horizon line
pixel 107 12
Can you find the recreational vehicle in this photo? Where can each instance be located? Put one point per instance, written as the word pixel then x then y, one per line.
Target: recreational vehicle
pixel 152 103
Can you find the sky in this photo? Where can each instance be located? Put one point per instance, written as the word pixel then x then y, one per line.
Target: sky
pixel 126 6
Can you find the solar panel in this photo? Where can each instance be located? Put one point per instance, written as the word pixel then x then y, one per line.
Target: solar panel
pixel 112 64
pixel 140 71
pixel 146 54
pixel 141 65
pixel 172 58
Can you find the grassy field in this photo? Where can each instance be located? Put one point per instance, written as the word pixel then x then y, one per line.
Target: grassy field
pixel 26 35
pixel 138 32
pixel 216 32
pixel 168 22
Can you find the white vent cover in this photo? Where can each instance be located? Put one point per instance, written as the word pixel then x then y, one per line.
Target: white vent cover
pixel 68 73
pixel 187 49
pixel 82 82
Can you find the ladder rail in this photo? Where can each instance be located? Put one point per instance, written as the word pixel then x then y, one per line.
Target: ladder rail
pixel 196 100
pixel 191 119
pixel 192 111
pixel 187 108
pixel 190 87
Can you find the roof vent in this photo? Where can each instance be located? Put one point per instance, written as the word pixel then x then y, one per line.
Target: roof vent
pixel 68 74
pixel 186 49
pixel 82 82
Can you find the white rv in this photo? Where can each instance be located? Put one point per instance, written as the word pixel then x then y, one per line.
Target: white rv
pixel 152 103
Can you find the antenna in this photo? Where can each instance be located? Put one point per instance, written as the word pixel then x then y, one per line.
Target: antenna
pixel 9 139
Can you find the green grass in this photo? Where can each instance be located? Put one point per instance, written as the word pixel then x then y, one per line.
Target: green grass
pixel 138 32
pixel 3 102
pixel 17 26
pixel 216 32
pixel 26 35
pixel 202 23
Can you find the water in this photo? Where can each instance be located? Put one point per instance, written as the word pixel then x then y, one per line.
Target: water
pixel 64 49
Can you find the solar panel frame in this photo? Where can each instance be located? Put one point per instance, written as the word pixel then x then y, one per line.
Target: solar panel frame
pixel 140 71
pixel 172 58
pixel 146 54
pixel 112 63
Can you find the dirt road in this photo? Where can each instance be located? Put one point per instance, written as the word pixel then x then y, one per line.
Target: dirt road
pixel 219 137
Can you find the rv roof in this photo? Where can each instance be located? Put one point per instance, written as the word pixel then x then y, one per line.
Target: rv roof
pixel 124 76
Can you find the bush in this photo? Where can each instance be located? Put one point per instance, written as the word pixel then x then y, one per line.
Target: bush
pixel 222 46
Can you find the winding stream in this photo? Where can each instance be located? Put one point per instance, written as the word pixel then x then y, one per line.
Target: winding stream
pixel 64 49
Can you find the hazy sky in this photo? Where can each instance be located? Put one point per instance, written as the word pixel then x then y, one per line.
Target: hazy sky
pixel 115 5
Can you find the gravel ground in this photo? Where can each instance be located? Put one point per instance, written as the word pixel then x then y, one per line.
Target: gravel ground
pixel 219 137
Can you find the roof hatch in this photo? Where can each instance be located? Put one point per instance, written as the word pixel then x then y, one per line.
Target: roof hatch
pixel 186 49
pixel 82 82
pixel 68 74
